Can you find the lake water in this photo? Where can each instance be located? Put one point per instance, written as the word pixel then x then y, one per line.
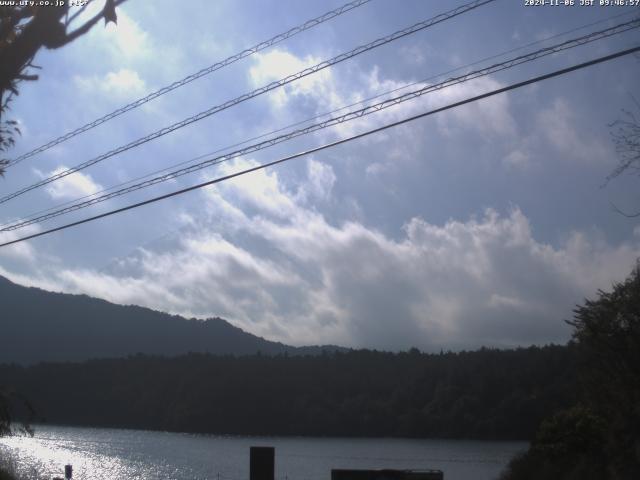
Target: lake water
pixel 101 454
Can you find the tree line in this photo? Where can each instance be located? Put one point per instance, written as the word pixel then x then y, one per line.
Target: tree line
pixel 488 394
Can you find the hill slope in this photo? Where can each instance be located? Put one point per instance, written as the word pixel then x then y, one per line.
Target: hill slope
pixel 36 325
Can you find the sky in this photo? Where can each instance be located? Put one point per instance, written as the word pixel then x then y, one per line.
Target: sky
pixel 481 226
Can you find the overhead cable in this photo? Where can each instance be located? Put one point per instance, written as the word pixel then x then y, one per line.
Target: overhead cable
pixel 320 115
pixel 390 102
pixel 267 88
pixel 194 76
pixel 476 98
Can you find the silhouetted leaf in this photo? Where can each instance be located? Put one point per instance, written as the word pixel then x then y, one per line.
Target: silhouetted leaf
pixel 109 12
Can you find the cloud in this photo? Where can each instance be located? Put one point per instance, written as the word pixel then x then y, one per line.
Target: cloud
pixel 331 90
pixel 259 190
pixel 277 64
pixel 72 186
pixel 124 83
pixel 415 54
pixel 21 252
pixel 519 159
pixel 127 39
pixel 114 45
pixel 555 134
pixel 321 179
pixel 490 116
pixel 557 125
pixel 269 262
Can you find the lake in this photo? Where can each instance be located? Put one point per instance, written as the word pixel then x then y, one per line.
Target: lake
pixel 102 453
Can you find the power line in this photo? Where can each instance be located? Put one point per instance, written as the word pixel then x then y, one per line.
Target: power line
pixel 321 115
pixel 593 36
pixel 267 88
pixel 194 76
pixel 333 144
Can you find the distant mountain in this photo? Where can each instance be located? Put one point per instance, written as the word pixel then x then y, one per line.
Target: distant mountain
pixel 40 326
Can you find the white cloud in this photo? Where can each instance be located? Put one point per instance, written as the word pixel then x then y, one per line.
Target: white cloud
pixel 127 38
pixel 72 186
pixel 21 251
pixel 257 190
pixel 124 83
pixel 557 125
pixel 276 267
pixel 518 158
pixel 415 54
pixel 490 116
pixel 124 43
pixel 277 64
pixel 554 135
pixel 321 179
pixel 328 90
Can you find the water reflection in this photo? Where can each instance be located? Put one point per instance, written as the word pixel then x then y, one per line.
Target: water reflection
pixel 101 454
pixel 44 456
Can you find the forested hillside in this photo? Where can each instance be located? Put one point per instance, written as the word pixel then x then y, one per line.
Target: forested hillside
pixel 481 394
pixel 44 326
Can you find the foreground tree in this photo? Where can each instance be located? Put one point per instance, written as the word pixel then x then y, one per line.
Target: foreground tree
pixel 608 331
pixel 24 30
pixel 600 437
pixel 625 134
pixel 13 404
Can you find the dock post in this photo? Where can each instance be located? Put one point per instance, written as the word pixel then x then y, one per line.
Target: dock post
pixel 262 463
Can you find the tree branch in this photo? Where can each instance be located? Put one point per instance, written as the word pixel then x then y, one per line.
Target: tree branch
pixel 628 215
pixel 88 24
pixel 27 77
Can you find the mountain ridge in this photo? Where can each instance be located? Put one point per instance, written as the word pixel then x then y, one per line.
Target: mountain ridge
pixel 37 325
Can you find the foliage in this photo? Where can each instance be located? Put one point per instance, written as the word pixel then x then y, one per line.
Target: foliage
pixel 608 333
pixel 24 30
pixel 492 394
pixel 600 437
pixel 8 130
pixel 566 446
pixel 4 475
pixel 625 133
pixel 8 469
pixel 11 402
pixel 574 431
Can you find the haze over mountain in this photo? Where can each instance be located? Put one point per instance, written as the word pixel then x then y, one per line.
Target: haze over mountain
pixel 41 326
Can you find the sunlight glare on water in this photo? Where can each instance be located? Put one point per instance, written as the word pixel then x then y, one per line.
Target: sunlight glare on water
pixel 45 456
pixel 105 454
